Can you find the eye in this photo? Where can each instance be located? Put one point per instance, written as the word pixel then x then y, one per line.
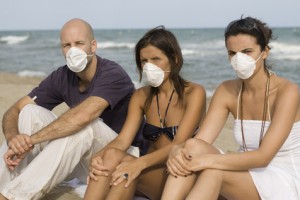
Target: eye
pixel 247 51
pixel 65 45
pixel 143 61
pixel 231 53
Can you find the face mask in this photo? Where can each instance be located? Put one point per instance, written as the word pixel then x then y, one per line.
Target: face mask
pixel 243 64
pixel 154 74
pixel 76 59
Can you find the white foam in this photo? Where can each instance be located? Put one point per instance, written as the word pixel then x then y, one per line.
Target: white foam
pixel 188 52
pixel 11 39
pixel 115 45
pixel 285 51
pixel 28 73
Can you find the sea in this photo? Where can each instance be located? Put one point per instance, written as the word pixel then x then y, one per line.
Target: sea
pixel 37 53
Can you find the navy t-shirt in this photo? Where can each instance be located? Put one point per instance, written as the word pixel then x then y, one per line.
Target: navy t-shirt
pixel 110 82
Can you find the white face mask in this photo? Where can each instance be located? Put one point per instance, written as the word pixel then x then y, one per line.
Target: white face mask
pixel 154 74
pixel 243 64
pixel 76 59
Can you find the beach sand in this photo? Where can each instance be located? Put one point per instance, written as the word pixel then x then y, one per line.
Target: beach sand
pixel 13 87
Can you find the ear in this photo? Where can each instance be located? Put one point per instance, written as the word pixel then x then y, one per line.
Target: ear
pixel 94 46
pixel 266 52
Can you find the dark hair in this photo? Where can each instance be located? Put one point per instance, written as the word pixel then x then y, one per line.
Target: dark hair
pixel 253 27
pixel 164 40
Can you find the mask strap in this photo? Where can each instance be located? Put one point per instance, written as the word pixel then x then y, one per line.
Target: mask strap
pixel 259 57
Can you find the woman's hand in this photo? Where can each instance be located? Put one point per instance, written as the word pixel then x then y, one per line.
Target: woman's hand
pixel 199 162
pixel 126 171
pixel 177 163
pixel 97 168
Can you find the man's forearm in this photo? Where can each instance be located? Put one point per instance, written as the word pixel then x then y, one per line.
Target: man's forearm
pixel 10 123
pixel 67 124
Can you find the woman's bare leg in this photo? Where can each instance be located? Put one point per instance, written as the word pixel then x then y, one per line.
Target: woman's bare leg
pixel 99 189
pixel 120 191
pixel 179 188
pixel 152 181
pixel 232 185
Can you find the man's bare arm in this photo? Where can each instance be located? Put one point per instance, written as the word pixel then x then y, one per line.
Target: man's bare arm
pixel 72 120
pixel 18 142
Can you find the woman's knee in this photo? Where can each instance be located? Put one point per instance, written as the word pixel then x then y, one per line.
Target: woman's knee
pixel 113 153
pixel 199 146
pixel 216 173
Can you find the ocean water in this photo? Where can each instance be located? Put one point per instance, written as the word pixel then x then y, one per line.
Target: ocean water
pixel 37 53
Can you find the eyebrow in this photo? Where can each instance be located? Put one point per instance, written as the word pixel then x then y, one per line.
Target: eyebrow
pixel 242 50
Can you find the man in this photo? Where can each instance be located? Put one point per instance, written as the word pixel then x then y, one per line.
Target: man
pixel 41 150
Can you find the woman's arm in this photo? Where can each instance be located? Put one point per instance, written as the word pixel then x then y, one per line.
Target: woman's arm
pixel 212 125
pixel 132 124
pixel 286 106
pixel 195 110
pixel 222 103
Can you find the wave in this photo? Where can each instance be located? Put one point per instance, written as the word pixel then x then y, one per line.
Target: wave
pixel 188 52
pixel 12 39
pixel 285 51
pixel 28 73
pixel 115 45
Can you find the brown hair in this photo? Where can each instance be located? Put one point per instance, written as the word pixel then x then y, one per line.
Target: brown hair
pixel 167 43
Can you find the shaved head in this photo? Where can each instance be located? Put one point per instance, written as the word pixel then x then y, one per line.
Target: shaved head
pixel 78 25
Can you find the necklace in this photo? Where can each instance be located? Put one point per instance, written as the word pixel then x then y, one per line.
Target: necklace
pixel 266 100
pixel 163 122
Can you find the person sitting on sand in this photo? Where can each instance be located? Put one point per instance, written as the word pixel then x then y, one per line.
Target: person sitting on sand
pixel 174 109
pixel 41 150
pixel 266 108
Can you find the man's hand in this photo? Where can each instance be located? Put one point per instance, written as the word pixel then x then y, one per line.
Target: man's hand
pixel 20 144
pixel 12 159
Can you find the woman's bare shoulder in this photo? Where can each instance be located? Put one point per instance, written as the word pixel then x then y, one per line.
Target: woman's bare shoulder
pixel 194 88
pixel 230 87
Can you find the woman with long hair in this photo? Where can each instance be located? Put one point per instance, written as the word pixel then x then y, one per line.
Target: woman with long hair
pixel 173 109
pixel 266 109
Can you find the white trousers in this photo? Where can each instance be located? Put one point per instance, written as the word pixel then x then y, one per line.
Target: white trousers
pixel 52 162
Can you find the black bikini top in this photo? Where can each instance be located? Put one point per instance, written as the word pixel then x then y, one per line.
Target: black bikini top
pixel 151 132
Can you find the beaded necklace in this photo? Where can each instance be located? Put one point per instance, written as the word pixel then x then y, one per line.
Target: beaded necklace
pixel 266 100
pixel 163 122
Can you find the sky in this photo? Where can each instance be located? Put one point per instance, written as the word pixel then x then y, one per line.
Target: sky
pixel 119 14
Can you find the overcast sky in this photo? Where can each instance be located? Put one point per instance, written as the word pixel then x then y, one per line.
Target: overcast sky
pixel 102 14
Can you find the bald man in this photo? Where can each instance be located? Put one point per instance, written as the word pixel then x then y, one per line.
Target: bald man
pixel 41 150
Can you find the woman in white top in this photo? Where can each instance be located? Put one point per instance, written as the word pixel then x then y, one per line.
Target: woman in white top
pixel 266 109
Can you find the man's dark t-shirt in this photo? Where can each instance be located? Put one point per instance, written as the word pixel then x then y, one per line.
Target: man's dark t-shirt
pixel 110 82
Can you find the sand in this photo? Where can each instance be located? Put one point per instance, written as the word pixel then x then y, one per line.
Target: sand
pixel 13 87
